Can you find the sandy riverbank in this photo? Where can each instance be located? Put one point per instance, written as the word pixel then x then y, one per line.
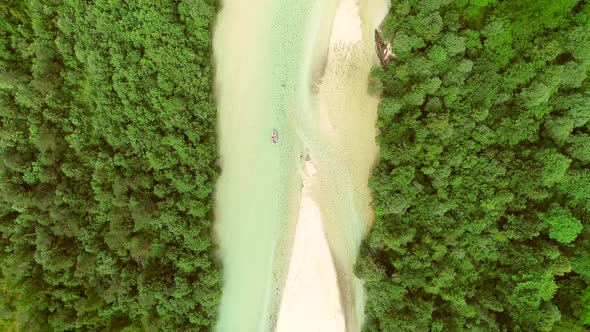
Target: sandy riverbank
pixel 321 292
pixel 311 298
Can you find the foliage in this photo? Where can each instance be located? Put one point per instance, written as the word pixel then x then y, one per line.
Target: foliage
pixel 108 165
pixel 482 189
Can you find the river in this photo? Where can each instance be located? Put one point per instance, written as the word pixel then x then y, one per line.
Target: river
pixel 278 67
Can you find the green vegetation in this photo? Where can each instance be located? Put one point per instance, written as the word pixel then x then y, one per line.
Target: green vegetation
pixel 108 166
pixel 482 191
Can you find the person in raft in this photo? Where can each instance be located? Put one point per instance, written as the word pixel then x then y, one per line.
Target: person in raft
pixel 274 136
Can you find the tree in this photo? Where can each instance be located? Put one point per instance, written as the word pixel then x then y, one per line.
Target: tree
pixel 108 166
pixel 563 227
pixel 481 191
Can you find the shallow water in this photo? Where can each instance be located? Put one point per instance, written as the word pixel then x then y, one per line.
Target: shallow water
pixel 270 56
pixel 260 54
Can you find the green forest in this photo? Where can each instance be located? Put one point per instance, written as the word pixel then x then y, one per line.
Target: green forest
pixel 109 162
pixel 107 141
pixel 482 190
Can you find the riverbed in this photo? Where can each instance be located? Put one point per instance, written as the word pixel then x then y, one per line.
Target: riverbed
pixel 281 66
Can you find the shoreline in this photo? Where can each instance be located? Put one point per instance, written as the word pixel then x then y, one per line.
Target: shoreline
pixel 258 191
pixel 340 137
pixel 338 132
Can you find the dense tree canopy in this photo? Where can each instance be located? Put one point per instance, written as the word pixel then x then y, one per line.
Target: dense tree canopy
pixel 482 191
pixel 108 165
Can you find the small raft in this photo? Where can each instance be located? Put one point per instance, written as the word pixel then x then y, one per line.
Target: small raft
pixel 274 136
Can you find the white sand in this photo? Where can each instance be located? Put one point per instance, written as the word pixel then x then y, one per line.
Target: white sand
pixel 347 24
pixel 311 299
